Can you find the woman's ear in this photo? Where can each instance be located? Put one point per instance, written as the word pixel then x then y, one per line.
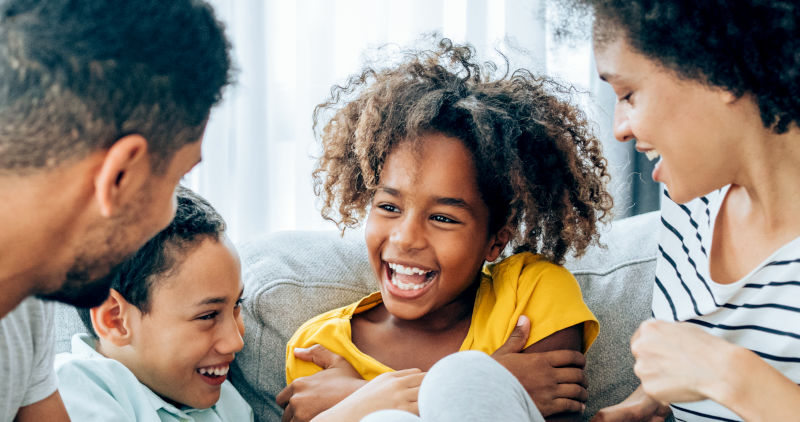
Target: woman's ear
pixel 112 319
pixel 497 243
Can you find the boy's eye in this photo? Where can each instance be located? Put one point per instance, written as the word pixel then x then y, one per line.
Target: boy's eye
pixel 442 219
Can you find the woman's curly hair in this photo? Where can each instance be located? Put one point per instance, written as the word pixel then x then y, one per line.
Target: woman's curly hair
pixel 745 47
pixel 540 170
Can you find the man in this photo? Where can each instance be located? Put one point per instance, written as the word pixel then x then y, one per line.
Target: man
pixel 102 108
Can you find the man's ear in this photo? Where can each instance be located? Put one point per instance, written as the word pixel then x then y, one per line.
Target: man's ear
pixel 125 167
pixel 112 319
pixel 497 243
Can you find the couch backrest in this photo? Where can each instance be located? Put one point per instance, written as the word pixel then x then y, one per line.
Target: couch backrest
pixel 292 276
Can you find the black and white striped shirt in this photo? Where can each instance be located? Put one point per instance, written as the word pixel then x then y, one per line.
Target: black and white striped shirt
pixel 760 312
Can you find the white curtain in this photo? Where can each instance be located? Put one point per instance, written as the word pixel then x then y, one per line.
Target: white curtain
pixel 259 147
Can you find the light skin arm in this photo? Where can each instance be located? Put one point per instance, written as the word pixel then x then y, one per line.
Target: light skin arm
pixel 680 362
pixel 49 409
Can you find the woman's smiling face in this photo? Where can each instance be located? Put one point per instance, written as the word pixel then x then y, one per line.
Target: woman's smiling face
pixel 427 230
pixel 691 125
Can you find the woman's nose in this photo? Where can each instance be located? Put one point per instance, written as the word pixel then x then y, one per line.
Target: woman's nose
pixel 622 126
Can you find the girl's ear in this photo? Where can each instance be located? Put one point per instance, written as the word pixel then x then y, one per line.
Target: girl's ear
pixel 112 319
pixel 497 243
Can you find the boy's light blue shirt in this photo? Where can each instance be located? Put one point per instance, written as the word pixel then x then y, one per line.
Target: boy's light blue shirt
pixel 96 388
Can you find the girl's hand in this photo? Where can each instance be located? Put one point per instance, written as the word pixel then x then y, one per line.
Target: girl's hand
pixel 554 379
pixel 679 362
pixel 391 390
pixel 308 396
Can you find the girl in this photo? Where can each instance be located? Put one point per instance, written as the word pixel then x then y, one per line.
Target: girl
pixel 451 165
pixel 712 88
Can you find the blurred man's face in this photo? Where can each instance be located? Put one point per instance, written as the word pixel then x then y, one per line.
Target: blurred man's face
pixel 114 240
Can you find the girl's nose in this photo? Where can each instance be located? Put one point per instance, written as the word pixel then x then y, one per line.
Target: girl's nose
pixel 408 235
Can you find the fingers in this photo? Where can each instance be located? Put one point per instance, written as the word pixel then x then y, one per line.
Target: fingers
pixel 573 392
pixel 288 414
pixel 563 405
pixel 283 397
pixel 318 355
pixel 519 336
pixel 562 358
pixel 570 376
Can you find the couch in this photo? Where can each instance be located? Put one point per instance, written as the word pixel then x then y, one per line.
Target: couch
pixel 291 276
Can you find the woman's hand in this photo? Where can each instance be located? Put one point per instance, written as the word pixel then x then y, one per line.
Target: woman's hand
pixel 679 362
pixel 638 407
pixel 308 396
pixel 391 390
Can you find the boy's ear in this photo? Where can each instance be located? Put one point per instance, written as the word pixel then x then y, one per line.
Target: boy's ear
pixel 125 167
pixel 497 243
pixel 112 319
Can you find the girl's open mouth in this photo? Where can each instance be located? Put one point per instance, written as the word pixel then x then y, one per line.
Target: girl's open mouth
pixel 406 281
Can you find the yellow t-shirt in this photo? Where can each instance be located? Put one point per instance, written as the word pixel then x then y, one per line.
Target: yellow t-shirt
pixel 520 284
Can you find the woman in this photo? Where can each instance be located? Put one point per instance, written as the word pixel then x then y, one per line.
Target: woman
pixel 711 87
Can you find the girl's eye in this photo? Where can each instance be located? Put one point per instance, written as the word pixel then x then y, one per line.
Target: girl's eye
pixel 388 207
pixel 626 98
pixel 208 316
pixel 443 219
pixel 238 303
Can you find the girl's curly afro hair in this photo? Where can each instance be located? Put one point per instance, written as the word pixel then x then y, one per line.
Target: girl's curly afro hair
pixel 540 170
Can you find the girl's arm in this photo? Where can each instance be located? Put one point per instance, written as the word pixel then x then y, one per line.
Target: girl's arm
pixel 551 370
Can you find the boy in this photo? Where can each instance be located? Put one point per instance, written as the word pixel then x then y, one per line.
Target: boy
pixel 166 336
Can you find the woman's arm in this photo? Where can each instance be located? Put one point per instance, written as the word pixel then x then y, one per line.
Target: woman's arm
pixel 680 362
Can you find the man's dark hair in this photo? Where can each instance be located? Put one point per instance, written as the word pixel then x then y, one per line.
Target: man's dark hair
pixel 77 75
pixel 745 47
pixel 195 220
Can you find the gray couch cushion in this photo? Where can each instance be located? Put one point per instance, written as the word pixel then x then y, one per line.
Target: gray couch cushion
pixel 617 285
pixel 292 276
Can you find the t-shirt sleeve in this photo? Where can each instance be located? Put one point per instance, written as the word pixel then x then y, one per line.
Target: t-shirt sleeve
pixel 555 303
pixel 42 383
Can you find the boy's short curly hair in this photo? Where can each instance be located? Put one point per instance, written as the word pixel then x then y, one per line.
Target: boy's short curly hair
pixel 195 221
pixel 745 47
pixel 540 169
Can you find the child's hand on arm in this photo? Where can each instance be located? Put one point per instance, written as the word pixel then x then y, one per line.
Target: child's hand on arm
pixel 553 377
pixel 391 390
pixel 308 396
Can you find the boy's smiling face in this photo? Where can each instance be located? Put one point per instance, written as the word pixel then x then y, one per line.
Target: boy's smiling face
pixel 182 349
pixel 427 230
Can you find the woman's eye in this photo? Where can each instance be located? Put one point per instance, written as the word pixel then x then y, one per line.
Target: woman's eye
pixel 443 219
pixel 210 315
pixel 238 303
pixel 626 98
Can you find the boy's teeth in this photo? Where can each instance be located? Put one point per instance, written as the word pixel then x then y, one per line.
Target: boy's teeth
pixel 652 154
pixel 214 371
pixel 407 270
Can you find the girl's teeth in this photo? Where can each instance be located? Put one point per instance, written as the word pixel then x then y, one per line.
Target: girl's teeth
pixel 652 154
pixel 407 270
